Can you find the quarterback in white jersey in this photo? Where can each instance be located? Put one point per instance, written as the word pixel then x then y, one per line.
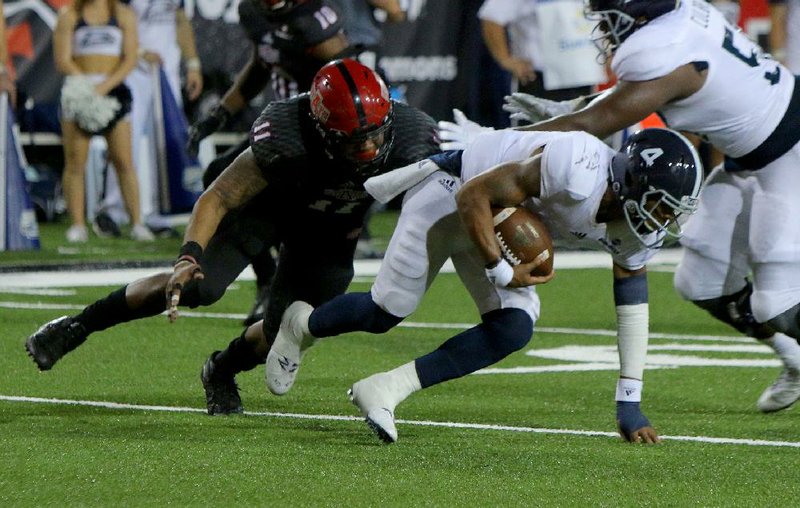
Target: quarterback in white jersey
pixel 683 60
pixel 621 202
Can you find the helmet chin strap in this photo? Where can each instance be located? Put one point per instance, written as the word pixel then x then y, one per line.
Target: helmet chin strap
pixel 611 207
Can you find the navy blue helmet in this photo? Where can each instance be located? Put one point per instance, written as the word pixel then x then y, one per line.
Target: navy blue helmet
pixel 657 177
pixel 618 19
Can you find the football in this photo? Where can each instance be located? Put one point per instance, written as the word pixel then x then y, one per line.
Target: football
pixel 523 237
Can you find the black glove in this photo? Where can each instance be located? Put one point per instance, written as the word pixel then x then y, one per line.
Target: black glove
pixel 201 129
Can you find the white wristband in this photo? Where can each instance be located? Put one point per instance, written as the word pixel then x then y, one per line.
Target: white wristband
pixel 629 390
pixel 193 64
pixel 500 274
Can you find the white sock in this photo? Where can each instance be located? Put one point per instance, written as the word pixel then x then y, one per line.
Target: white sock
pixel 406 380
pixel 787 349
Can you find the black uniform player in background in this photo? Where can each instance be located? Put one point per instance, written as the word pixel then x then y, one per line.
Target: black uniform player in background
pixel 291 40
pixel 300 186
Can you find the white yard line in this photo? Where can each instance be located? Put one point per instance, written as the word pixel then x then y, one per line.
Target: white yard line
pixel 452 425
pixel 666 259
pixel 405 324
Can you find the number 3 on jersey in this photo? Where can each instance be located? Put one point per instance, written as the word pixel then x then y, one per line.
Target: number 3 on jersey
pixel 753 59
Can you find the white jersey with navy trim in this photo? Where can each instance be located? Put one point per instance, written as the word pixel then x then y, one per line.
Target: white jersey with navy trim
pixel 574 180
pixel 155 20
pixel 746 93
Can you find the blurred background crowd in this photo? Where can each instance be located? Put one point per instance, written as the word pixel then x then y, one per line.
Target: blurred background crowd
pixel 197 69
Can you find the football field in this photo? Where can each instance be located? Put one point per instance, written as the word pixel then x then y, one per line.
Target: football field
pixel 121 421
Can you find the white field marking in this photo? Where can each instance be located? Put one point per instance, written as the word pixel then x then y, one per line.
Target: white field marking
pixel 666 258
pixel 407 324
pixel 40 292
pixel 596 358
pixel 609 354
pixel 423 423
pixel 114 277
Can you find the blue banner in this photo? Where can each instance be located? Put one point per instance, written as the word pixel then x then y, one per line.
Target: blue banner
pixel 19 228
pixel 184 175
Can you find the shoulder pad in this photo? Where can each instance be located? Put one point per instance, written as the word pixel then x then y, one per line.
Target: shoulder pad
pixel 277 134
pixel 415 136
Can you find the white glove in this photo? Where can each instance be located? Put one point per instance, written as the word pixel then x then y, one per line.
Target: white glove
pixel 457 136
pixel 530 108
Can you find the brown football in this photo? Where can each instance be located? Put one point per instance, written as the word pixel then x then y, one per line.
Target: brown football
pixel 523 237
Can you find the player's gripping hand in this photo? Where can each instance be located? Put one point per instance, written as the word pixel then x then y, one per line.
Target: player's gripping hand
pixel 204 127
pixel 458 135
pixel 633 425
pixel 529 108
pixel 184 271
pixel 524 276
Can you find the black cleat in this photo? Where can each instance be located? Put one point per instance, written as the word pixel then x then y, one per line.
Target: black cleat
pixel 53 340
pixel 222 394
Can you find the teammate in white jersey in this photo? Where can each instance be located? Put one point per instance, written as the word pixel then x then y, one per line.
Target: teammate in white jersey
pixel 586 193
pixel 703 75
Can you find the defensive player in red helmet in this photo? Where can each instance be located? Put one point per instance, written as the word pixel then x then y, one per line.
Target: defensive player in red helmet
pixel 300 186
pixel 291 41
pixel 353 114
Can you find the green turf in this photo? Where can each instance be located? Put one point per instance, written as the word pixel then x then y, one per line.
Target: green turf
pixel 75 455
pixel 56 250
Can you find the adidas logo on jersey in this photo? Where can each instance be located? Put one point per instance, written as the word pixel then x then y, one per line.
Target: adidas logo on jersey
pixel 578 234
pixel 610 246
pixel 448 183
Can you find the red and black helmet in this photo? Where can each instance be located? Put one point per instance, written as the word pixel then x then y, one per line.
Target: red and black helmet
pixel 353 112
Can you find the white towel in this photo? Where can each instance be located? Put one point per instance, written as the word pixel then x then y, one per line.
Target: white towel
pixel 389 185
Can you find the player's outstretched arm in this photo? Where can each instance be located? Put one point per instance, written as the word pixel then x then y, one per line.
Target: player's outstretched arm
pixel 233 188
pixel 633 328
pixel 457 135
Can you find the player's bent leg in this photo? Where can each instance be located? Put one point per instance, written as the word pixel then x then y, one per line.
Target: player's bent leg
pixel 142 298
pixel 776 296
pixel 302 325
pixel 734 309
pixel 286 353
pixel 502 332
pixel 219 372
pixel 777 286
